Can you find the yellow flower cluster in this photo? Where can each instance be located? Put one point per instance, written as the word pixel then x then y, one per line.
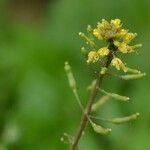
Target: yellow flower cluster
pixel 113 31
pixel 106 30
pixel 123 47
pixel 94 56
pixel 118 40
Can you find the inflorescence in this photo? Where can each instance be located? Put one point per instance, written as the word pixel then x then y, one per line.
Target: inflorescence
pixel 114 33
pixel 117 40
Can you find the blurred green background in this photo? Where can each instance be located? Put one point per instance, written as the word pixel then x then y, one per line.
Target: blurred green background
pixel 36 103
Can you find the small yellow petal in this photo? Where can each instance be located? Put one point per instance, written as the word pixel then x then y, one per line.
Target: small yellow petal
pixel 92 57
pixel 128 37
pixel 116 62
pixel 116 23
pixel 123 47
pixel 103 51
pixel 123 32
pixel 97 33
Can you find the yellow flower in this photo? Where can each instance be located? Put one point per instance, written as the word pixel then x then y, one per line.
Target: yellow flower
pixel 122 33
pixel 123 47
pixel 116 62
pixel 97 33
pixel 128 37
pixel 93 57
pixel 104 24
pixel 104 51
pixel 105 30
pixel 116 23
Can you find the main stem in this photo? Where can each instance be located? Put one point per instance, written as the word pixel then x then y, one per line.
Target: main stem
pixel 87 111
pixel 84 118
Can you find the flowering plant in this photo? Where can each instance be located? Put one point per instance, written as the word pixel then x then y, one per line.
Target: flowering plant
pixel 117 40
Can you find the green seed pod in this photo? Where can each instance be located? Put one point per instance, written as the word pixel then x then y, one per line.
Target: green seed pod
pixel 88 40
pixel 125 119
pixel 116 96
pixel 132 76
pixel 100 130
pixel 130 70
pixel 100 103
pixel 136 46
pixel 70 76
pixel 119 97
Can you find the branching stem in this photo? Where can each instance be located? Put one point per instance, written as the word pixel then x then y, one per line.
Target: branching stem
pixel 87 111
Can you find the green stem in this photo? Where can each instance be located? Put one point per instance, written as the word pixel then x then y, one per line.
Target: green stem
pixel 87 112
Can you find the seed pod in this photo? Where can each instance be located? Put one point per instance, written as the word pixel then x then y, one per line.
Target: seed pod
pixel 132 76
pixel 70 76
pixel 116 96
pixel 100 130
pixel 88 40
pixel 125 119
pixel 100 103
pixel 130 70
pixel 136 46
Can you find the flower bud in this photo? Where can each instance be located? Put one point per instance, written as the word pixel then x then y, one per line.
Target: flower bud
pixel 103 70
pixel 70 76
pixel 84 51
pixel 89 28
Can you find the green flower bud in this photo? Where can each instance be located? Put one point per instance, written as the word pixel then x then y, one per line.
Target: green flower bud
pixel 103 70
